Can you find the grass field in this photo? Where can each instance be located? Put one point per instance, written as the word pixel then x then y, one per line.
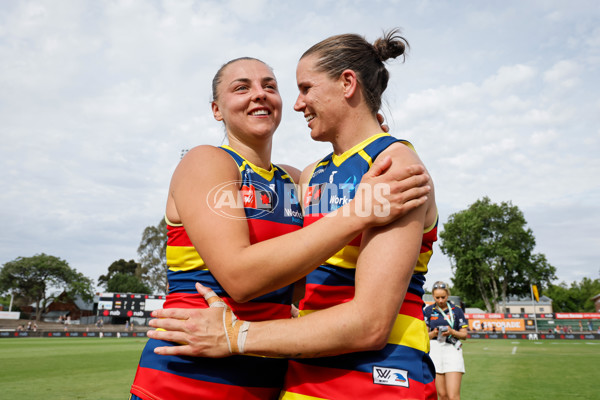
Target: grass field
pixel 505 369
pixel 103 369
pixel 68 368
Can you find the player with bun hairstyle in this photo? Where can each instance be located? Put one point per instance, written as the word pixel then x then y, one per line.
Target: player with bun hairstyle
pixel 361 333
pixel 252 250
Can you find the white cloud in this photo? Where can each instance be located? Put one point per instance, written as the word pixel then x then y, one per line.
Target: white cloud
pixel 510 104
pixel 509 78
pixel 543 138
pixel 97 100
pixel 565 74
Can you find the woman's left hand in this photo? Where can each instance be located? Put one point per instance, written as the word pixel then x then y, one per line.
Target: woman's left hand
pixel 200 332
pixel 387 191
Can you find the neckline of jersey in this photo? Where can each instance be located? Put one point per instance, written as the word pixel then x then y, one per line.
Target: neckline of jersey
pixel 267 174
pixel 339 159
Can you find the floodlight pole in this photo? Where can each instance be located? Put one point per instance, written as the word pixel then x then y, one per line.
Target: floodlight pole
pixel 533 302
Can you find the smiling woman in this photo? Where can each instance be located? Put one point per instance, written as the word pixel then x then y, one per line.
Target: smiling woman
pixel 361 333
pixel 246 98
pixel 252 250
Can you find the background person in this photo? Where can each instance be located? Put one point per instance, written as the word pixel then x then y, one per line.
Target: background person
pixel 447 328
pixel 251 254
pixel 365 300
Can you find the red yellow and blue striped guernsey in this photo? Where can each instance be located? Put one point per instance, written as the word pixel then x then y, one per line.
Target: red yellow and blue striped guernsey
pixel 402 369
pixel 272 209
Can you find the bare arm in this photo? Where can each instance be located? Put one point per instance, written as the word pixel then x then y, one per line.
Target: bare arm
pixel 459 334
pixel 384 269
pixel 385 265
pixel 363 323
pixel 234 261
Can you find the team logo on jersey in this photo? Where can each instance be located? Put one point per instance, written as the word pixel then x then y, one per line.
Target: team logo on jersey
pixel 332 175
pixel 225 197
pixel 314 194
pixel 261 199
pixel 349 185
pixel 390 376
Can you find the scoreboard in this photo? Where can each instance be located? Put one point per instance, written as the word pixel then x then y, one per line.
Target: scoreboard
pixel 128 304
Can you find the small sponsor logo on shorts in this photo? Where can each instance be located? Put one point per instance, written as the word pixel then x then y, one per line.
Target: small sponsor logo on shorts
pixel 390 376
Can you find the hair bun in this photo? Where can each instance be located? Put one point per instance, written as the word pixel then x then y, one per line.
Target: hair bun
pixel 391 45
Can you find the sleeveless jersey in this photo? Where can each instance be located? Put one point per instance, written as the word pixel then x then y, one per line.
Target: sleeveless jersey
pixel 402 369
pixel 272 209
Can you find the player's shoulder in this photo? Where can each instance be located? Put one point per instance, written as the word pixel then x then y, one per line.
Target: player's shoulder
pixel 293 172
pixel 204 151
pixel 206 159
pixel 401 150
pixel 307 172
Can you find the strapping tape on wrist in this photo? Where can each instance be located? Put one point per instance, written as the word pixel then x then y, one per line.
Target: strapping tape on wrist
pixel 236 330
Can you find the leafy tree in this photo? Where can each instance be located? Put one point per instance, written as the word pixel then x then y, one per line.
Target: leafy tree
pixel 124 276
pixel 490 251
pixel 576 298
pixel 121 267
pixel 31 278
pixel 123 283
pixel 587 289
pixel 562 301
pixel 153 256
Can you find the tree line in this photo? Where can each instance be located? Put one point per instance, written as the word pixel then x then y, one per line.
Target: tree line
pixel 40 280
pixel 490 248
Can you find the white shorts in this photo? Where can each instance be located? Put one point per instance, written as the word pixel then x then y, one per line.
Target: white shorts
pixel 446 358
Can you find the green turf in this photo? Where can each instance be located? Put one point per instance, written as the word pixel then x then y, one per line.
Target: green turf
pixel 103 369
pixel 68 368
pixel 522 369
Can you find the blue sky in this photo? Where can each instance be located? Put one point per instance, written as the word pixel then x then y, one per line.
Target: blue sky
pixel 97 100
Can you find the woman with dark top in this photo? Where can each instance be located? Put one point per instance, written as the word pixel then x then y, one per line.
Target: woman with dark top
pixel 447 328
